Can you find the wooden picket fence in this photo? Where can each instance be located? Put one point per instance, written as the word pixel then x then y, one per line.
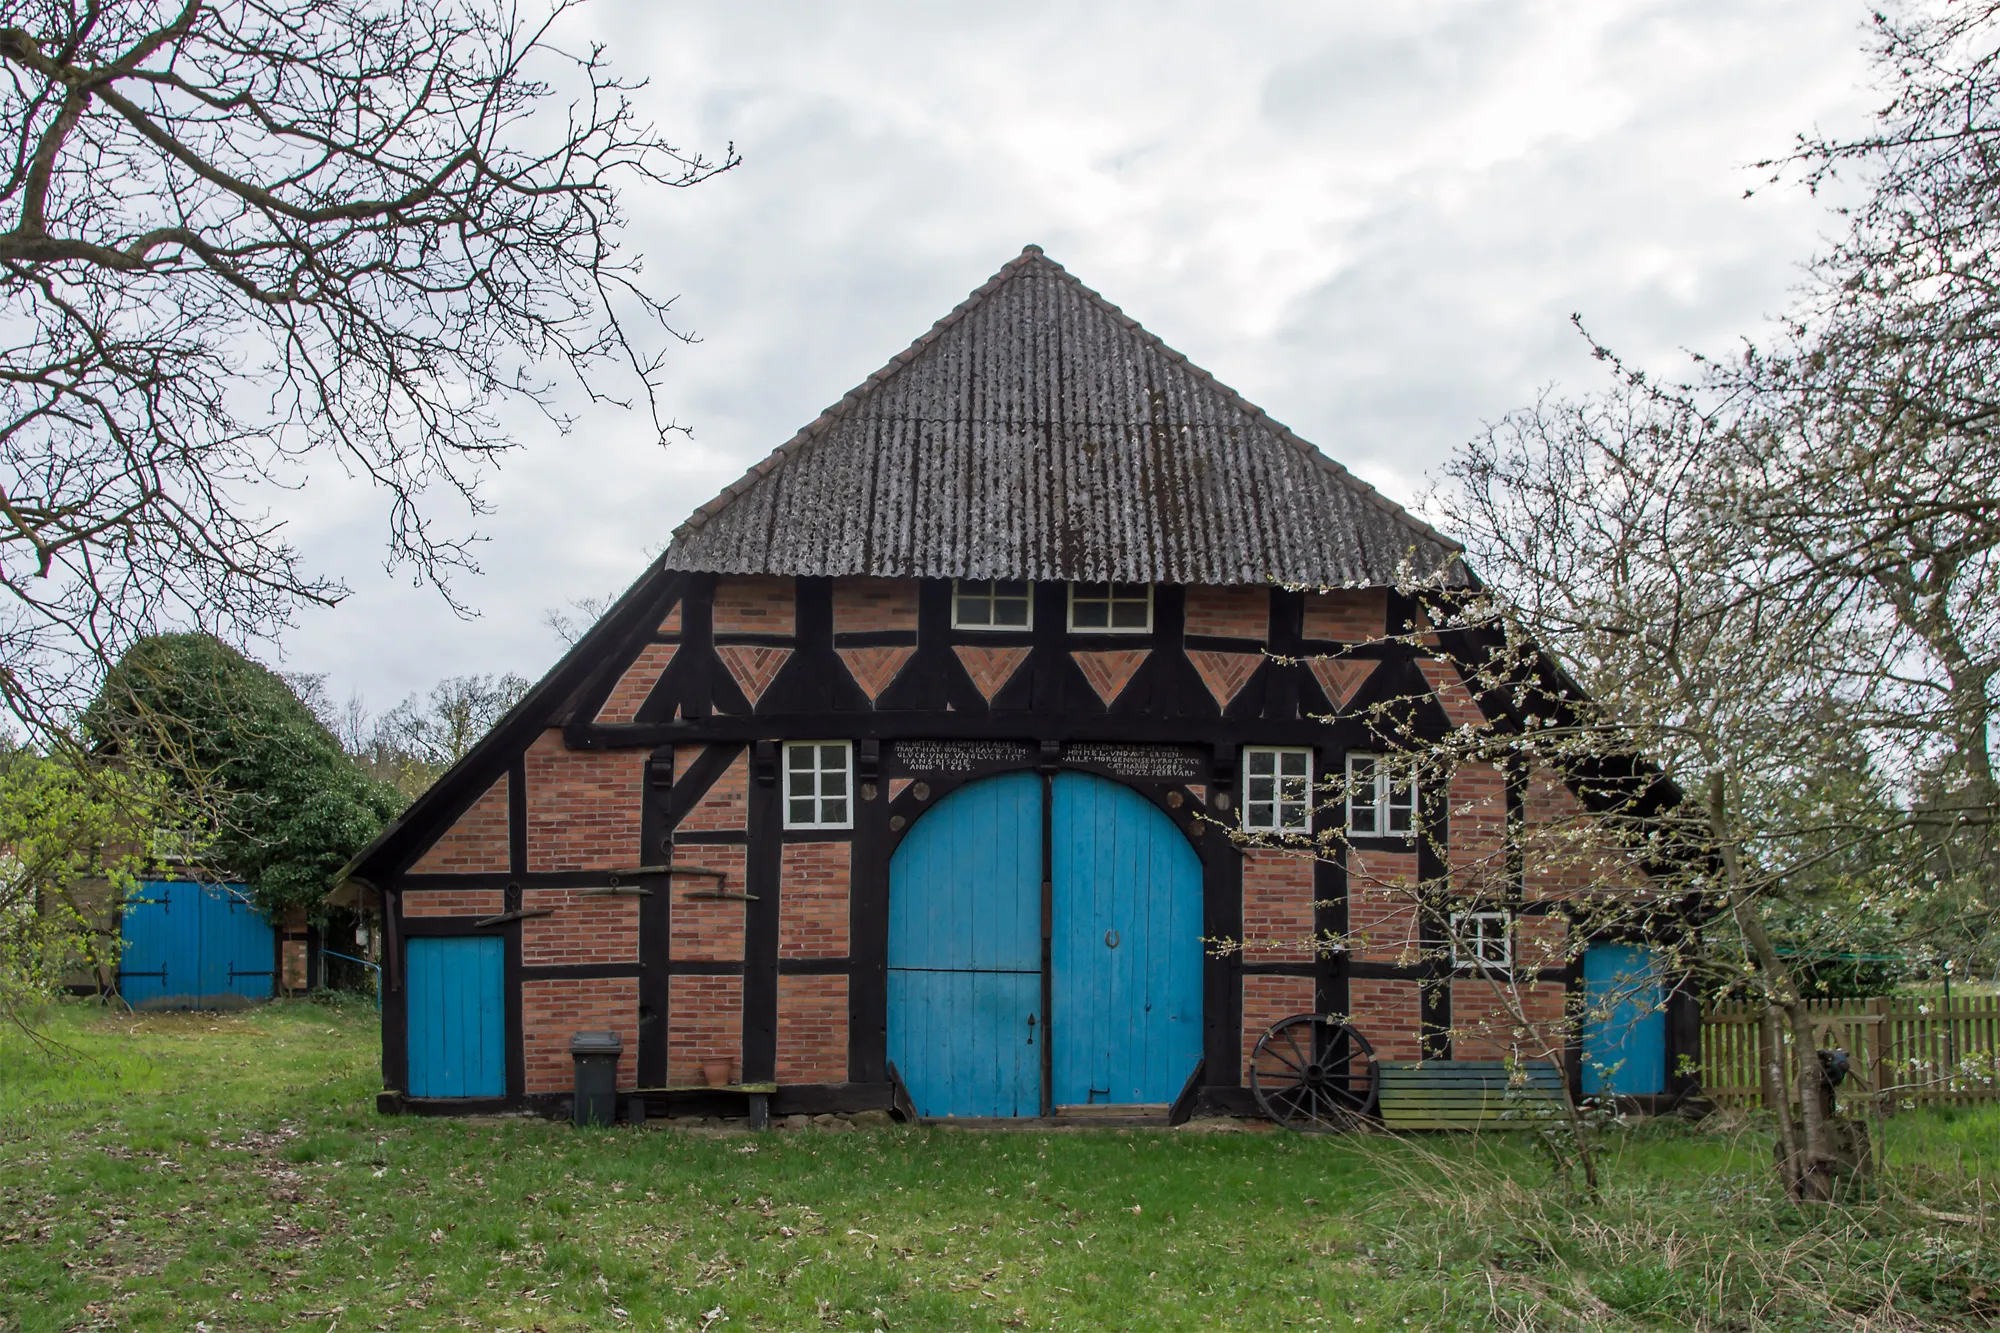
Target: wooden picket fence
pixel 1902 1050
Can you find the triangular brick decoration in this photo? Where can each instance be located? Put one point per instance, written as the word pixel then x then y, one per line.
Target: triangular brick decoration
pixel 622 704
pixel 1341 677
pixel 1108 672
pixel 1224 673
pixel 990 668
pixel 1200 790
pixel 672 624
pixel 874 668
pixel 896 786
pixel 752 666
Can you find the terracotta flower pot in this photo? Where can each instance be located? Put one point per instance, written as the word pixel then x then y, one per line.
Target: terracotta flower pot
pixel 716 1073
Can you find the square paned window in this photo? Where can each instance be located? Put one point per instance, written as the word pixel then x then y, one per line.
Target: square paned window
pixel 992 604
pixel 1381 797
pixel 819 785
pixel 1482 940
pixel 1277 790
pixel 1114 608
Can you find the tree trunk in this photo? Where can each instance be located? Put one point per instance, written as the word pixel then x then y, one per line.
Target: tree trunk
pixel 1807 1154
pixel 1777 1097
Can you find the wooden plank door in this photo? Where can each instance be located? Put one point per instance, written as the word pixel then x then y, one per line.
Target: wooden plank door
pixel 1126 953
pixel 965 1021
pixel 237 946
pixel 457 1018
pixel 1625 1024
pixel 159 960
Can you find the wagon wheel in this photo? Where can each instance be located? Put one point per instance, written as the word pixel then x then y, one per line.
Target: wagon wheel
pixel 1315 1073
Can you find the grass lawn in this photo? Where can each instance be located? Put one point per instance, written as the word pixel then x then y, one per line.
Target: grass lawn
pixel 214 1172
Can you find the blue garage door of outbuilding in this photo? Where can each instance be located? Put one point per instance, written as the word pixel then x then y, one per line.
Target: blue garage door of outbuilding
pixel 967 1025
pixel 457 1019
pixel 194 946
pixel 1625 1023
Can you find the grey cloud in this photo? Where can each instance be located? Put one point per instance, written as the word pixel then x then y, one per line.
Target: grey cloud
pixel 1372 220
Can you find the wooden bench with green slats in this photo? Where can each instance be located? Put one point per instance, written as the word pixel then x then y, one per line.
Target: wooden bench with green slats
pixel 1469 1094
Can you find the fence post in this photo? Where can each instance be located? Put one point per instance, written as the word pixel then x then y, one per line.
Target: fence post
pixel 1878 1056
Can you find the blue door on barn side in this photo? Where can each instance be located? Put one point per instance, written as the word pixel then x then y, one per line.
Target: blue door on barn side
pixel 457 1018
pixel 1625 1023
pixel 966 1028
pixel 1126 952
pixel 193 946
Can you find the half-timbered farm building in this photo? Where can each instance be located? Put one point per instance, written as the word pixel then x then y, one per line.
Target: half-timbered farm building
pixel 913 768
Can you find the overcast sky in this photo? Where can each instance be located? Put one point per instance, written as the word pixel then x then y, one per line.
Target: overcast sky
pixel 1374 220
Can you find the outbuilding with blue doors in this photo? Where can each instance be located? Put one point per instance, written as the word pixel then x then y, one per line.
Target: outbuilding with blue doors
pixel 971 756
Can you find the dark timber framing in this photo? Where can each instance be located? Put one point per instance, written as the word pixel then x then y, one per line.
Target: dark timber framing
pixel 1053 710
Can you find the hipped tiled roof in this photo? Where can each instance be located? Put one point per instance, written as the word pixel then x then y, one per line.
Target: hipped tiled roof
pixel 1038 432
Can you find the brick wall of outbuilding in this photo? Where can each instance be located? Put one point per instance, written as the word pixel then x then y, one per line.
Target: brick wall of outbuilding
pixel 706 1024
pixel 583 806
pixel 451 902
pixel 553 1011
pixel 476 841
pixel 581 928
pixel 753 605
pixel 812 1029
pixel 1235 613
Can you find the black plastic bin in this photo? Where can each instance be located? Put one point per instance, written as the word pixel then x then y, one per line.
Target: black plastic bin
pixel 596 1057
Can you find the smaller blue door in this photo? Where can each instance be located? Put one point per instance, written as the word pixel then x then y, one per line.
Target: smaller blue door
pixel 457 1021
pixel 1625 1022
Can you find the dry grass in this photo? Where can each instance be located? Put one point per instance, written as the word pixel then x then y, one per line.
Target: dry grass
pixel 1689 1233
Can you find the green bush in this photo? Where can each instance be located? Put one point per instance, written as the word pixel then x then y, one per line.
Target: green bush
pixel 282 805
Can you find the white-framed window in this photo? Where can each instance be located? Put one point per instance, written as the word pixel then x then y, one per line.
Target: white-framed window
pixel 819 784
pixel 1003 604
pixel 1111 608
pixel 1482 941
pixel 1381 797
pixel 1277 790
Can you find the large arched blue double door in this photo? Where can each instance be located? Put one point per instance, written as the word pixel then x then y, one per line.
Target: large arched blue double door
pixel 972 1028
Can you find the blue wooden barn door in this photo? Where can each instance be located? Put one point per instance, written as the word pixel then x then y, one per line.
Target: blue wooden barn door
pixel 193 946
pixel 237 947
pixel 1126 955
pixel 457 1019
pixel 1624 1027
pixel 160 956
pixel 965 1027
